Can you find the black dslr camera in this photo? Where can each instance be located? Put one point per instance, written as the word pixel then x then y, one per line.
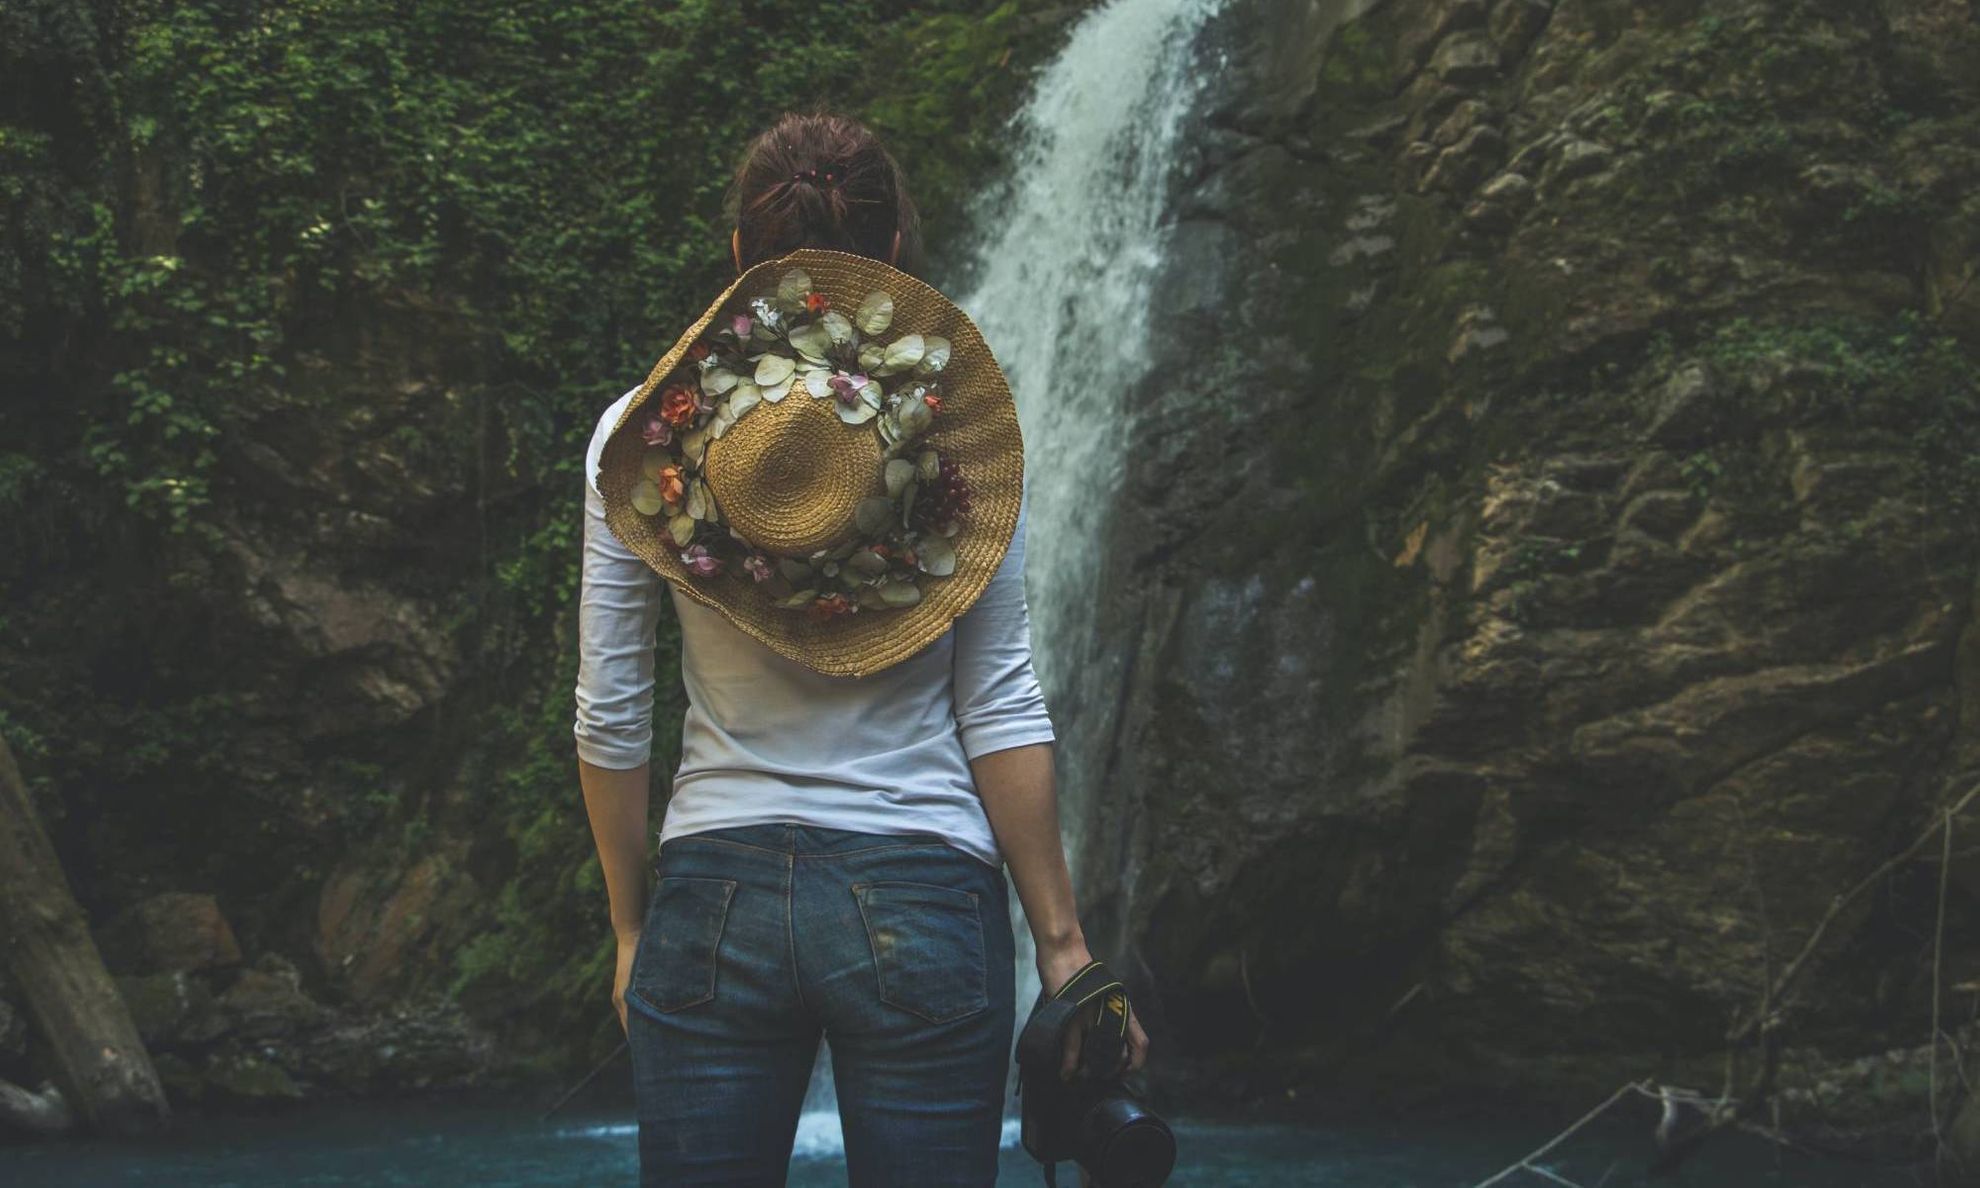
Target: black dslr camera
pixel 1093 1119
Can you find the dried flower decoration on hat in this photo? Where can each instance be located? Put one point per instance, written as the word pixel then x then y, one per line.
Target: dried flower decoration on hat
pixel 793 342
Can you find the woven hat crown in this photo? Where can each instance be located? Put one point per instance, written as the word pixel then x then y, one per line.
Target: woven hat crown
pixel 790 475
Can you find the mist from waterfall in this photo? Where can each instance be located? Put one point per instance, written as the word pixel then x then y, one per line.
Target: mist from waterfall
pixel 1067 248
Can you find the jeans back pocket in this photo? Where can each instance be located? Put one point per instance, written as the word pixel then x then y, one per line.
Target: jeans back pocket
pixel 928 947
pixel 675 964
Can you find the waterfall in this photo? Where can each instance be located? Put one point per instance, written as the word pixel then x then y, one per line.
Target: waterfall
pixel 1067 249
pixel 1062 285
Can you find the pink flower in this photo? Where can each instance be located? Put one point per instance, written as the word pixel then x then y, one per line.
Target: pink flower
pixel 846 387
pixel 656 431
pixel 742 326
pixel 700 561
pixel 758 566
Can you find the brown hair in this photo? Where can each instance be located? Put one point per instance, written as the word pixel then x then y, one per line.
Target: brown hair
pixel 817 179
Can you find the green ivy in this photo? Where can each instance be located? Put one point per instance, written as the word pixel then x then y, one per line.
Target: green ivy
pixel 203 198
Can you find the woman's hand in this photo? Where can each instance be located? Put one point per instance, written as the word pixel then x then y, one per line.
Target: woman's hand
pixel 1055 968
pixel 628 945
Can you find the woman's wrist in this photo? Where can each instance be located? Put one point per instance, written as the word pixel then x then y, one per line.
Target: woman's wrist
pixel 1059 958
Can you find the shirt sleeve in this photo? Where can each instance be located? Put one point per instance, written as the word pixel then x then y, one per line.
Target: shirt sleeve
pixel 999 704
pixel 618 615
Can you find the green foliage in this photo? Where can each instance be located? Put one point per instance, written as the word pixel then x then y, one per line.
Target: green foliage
pixel 211 207
pixel 1902 377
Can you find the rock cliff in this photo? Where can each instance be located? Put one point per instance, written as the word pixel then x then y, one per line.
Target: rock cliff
pixel 1547 567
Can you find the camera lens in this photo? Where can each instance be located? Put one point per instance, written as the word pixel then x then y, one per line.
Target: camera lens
pixel 1126 1146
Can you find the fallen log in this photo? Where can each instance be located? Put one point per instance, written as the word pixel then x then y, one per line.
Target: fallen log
pixel 97 1059
pixel 42 1111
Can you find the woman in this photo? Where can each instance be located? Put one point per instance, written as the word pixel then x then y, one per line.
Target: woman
pixel 831 859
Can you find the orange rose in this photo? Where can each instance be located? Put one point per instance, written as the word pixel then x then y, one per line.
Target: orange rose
pixel 678 405
pixel 829 606
pixel 673 484
pixel 817 302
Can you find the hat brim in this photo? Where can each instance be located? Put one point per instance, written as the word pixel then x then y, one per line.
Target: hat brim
pixel 977 429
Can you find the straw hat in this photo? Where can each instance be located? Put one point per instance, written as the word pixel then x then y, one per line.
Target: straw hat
pixel 829 456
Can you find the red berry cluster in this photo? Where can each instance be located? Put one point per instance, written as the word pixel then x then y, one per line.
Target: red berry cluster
pixel 945 499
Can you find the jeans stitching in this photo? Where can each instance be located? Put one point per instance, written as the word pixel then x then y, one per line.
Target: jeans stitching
pixel 927 845
pixel 879 967
pixel 790 930
pixel 714 950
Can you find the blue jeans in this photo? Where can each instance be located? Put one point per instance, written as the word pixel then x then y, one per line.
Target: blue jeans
pixel 758 940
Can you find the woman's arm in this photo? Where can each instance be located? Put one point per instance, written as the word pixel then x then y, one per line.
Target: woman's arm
pixel 1020 796
pixel 618 615
pixel 1008 737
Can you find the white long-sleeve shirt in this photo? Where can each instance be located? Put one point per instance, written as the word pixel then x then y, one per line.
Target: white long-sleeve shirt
pixel 766 739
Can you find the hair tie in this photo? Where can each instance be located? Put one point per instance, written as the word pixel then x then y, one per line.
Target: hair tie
pixel 811 175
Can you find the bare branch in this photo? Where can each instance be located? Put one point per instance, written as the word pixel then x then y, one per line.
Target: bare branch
pixel 1525 1163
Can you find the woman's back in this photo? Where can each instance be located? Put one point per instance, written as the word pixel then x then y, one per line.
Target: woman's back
pixel 767 739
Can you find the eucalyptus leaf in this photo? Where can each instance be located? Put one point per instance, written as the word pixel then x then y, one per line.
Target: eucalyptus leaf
pixel 774 369
pixel 697 499
pixel 798 599
pixel 796 283
pixel 902 353
pixel 842 550
pixel 874 515
pixel 681 528
pixel 812 341
pixel 837 326
pixel 871 598
pixel 871 393
pixel 694 444
pixel 907 501
pixel 936 357
pixel 741 400
pixel 929 466
pixel 855 414
pixel 915 416
pixel 718 380
pixel 871 356
pixel 935 556
pixel 898 472
pixel 794 570
pixel 876 313
pixel 867 562
pixel 646 497
pixel 778 391
pixel 818 382
pixel 900 593
pixel 655 460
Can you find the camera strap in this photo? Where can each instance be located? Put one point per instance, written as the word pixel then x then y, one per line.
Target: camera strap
pixel 1042 1042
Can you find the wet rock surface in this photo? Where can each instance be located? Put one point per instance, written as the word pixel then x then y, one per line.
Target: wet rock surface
pixel 1578 596
pixel 229 1033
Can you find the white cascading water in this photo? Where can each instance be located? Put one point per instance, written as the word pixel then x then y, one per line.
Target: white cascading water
pixel 1068 250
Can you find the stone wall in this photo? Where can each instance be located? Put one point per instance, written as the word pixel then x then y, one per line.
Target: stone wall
pixel 1547 562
